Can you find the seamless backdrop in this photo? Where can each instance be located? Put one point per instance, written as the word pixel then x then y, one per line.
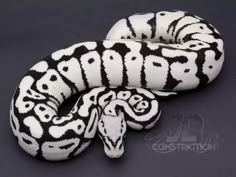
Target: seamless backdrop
pixel 205 119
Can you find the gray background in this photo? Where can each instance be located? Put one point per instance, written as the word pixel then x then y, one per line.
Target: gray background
pixel 31 30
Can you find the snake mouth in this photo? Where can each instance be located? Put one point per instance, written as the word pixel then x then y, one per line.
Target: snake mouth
pixel 114 155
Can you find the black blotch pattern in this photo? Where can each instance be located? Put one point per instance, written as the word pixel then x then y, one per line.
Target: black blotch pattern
pixel 156 64
pixel 203 78
pixel 136 98
pixel 92 98
pixel 64 97
pixel 122 49
pixel 108 98
pixel 91 60
pixel 77 54
pixel 173 24
pixel 152 23
pixel 93 123
pixel 45 87
pixel 180 59
pixel 192 45
pixel 53 78
pixel 13 123
pixel 66 146
pixel 100 49
pixel 26 141
pixel 171 82
pixel 42 108
pixel 216 50
pixel 161 39
pixel 144 36
pixel 65 68
pixel 179 30
pixel 186 70
pixel 130 27
pixel 143 76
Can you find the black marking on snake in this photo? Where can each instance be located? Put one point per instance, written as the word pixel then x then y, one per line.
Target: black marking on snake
pixel 188 37
pixel 130 27
pixel 144 36
pixel 161 39
pixel 91 60
pixel 186 70
pixel 133 58
pixel 156 64
pixel 41 108
pixel 217 52
pixel 180 29
pixel 203 78
pixel 152 23
pixel 108 98
pixel 13 123
pixel 173 25
pixel 27 141
pixel 122 49
pixel 69 83
pixel 93 123
pixel 78 55
pixel 92 98
pixel 100 49
pixel 66 146
pixel 65 68
pixel 53 78
pixel 171 82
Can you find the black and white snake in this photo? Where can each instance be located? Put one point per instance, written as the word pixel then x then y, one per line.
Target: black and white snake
pixel 144 56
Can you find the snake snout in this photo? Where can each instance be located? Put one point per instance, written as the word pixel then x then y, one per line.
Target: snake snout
pixel 114 152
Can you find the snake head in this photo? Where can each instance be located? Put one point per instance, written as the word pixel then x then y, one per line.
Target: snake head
pixel 112 130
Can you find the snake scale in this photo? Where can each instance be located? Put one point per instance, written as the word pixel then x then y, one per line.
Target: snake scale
pixel 144 56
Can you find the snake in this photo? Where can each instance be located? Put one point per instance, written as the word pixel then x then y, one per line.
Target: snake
pixel 119 80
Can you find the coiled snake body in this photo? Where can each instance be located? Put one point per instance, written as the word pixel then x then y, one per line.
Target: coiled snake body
pixel 143 56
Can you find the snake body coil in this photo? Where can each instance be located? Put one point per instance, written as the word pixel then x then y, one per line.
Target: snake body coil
pixel 143 56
